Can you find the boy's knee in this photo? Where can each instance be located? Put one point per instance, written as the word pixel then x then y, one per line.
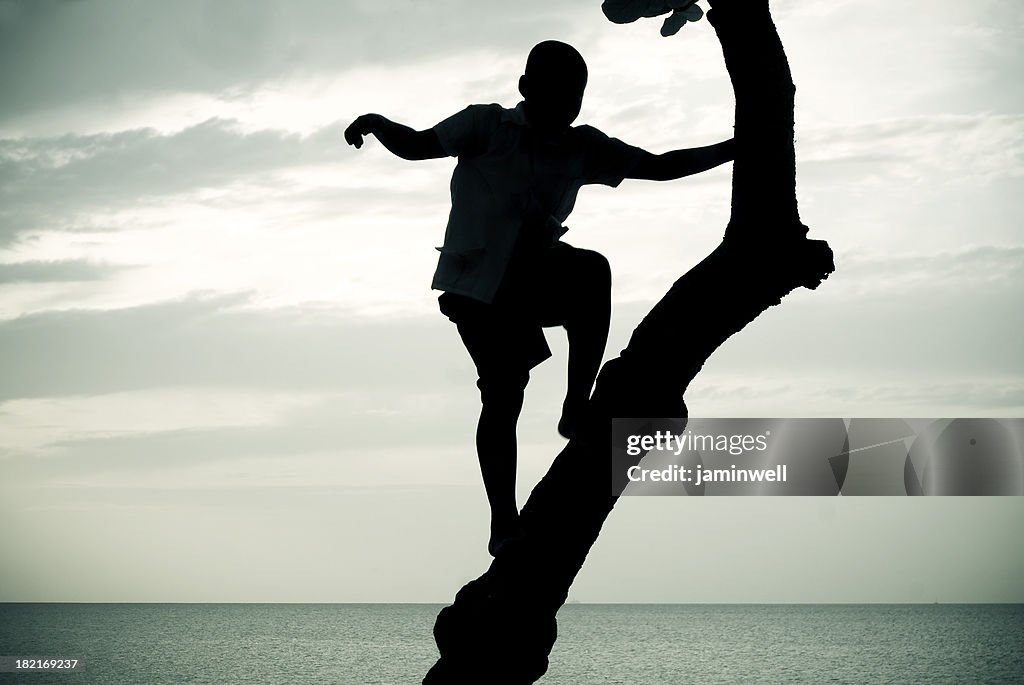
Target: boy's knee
pixel 502 386
pixel 595 268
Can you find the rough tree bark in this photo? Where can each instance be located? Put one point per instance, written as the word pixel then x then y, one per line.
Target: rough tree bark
pixel 501 627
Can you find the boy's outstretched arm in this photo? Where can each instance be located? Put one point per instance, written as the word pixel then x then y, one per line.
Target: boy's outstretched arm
pixel 679 163
pixel 398 139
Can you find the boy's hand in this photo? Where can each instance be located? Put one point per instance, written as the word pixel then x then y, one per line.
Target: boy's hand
pixel 398 139
pixel 362 126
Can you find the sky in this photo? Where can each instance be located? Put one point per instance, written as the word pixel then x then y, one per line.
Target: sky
pixel 223 375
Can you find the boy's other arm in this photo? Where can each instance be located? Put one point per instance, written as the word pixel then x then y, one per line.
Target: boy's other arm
pixel 679 163
pixel 398 139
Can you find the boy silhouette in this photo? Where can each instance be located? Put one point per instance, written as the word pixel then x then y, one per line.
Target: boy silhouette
pixel 504 270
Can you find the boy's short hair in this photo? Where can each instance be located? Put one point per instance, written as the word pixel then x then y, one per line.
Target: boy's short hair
pixel 552 59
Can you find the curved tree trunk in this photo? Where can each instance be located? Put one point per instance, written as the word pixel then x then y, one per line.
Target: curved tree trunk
pixel 501 627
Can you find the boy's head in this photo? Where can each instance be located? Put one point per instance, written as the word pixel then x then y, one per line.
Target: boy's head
pixel 553 85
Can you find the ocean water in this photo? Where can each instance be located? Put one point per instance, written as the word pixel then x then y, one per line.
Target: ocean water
pixel 362 644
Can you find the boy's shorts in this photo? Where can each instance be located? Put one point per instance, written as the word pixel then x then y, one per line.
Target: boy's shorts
pixel 506 337
pixel 541 288
pixel 501 338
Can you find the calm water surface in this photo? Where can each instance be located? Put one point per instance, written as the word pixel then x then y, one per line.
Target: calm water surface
pixel 165 644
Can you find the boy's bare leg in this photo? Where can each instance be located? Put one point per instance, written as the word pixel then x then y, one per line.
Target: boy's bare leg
pixel 587 340
pixel 502 400
pixel 588 318
pixel 573 288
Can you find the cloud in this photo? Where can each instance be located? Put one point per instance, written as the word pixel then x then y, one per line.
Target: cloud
pixel 44 179
pixel 288 441
pixel 836 393
pixel 916 319
pixel 65 270
pixel 212 341
pixel 972 267
pixel 948 312
pixel 54 53
pixel 970 150
pixel 1003 397
pixel 69 181
pixel 218 169
pixel 31 424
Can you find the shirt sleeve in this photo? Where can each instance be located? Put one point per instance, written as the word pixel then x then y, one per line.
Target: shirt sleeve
pixel 607 160
pixel 467 132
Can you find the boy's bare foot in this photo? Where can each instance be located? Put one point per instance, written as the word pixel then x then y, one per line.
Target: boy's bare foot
pixel 569 423
pixel 502 532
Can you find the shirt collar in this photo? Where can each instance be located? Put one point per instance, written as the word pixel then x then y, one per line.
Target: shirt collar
pixel 516 116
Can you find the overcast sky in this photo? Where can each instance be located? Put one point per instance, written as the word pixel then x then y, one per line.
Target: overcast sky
pixel 223 375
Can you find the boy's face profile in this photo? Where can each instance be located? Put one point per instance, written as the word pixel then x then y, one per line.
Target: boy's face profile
pixel 553 86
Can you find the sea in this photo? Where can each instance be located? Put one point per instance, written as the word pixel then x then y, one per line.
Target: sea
pixel 364 644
